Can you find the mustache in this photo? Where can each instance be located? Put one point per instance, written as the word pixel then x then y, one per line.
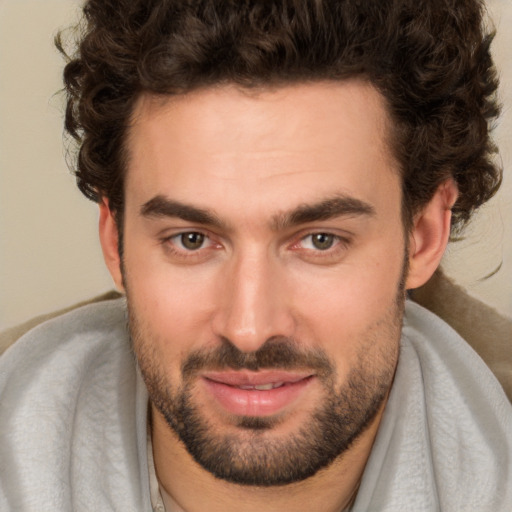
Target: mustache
pixel 276 353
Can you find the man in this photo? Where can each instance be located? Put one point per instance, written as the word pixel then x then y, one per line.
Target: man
pixel 272 179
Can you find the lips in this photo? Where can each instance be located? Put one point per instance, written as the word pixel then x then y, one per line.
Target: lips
pixel 262 393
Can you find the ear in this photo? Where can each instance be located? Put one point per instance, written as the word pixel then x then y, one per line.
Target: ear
pixel 109 238
pixel 430 234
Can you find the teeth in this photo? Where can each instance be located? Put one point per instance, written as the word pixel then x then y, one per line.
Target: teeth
pixel 264 387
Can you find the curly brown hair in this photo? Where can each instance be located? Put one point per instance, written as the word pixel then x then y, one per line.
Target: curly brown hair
pixel 430 60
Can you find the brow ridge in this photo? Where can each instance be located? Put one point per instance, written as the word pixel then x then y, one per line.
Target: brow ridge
pixel 337 206
pixel 161 206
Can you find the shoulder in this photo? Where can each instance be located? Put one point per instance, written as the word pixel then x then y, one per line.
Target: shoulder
pixel 447 426
pixel 76 345
pixel 463 401
pixel 445 355
pixel 9 336
pixel 73 415
pixel 83 336
pixel 488 332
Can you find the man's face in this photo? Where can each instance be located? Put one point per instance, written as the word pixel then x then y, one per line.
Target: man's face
pixel 263 265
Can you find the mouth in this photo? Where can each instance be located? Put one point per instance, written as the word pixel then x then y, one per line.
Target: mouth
pixel 256 394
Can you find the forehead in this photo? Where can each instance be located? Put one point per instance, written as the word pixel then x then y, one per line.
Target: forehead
pixel 227 143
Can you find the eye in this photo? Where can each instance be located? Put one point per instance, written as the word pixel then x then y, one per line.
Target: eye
pixel 319 241
pixel 190 241
pixel 190 247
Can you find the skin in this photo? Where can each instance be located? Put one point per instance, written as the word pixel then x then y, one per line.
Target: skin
pixel 249 158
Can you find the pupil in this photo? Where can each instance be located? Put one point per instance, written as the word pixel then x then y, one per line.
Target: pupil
pixel 323 241
pixel 192 240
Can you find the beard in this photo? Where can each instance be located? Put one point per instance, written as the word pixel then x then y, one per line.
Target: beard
pixel 254 452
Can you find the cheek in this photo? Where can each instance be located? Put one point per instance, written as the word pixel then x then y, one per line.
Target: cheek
pixel 172 305
pixel 342 309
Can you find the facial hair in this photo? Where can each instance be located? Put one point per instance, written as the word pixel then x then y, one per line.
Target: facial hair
pixel 253 453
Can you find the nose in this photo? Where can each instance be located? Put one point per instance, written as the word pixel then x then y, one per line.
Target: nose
pixel 254 303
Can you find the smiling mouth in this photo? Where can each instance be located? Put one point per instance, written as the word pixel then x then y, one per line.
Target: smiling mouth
pixel 256 393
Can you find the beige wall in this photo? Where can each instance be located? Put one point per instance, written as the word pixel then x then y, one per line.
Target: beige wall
pixel 488 242
pixel 49 253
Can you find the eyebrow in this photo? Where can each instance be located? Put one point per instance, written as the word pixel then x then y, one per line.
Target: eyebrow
pixel 161 206
pixel 336 206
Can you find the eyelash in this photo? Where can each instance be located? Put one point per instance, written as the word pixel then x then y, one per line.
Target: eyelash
pixel 339 245
pixel 334 239
pixel 182 252
pixel 332 254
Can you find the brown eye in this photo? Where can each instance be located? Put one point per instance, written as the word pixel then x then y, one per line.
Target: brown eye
pixel 192 241
pixel 322 241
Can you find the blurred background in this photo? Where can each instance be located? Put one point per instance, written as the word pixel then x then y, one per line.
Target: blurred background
pixel 50 255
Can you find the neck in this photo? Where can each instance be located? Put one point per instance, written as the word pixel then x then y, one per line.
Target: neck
pixel 194 489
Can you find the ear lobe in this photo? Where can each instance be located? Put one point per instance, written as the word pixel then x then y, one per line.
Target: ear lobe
pixel 430 234
pixel 109 238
